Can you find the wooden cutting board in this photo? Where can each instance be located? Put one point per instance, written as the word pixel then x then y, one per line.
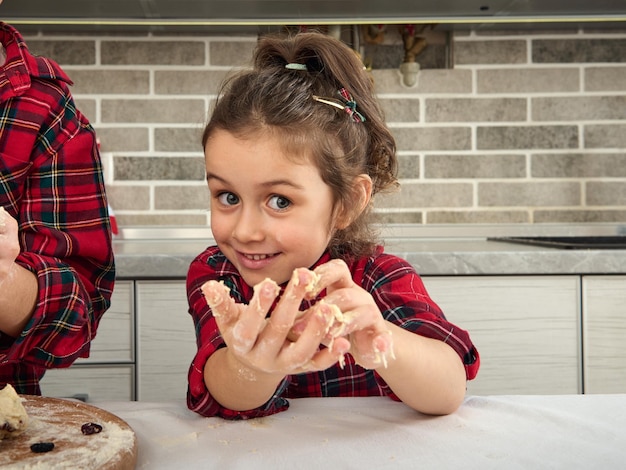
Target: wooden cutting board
pixel 60 421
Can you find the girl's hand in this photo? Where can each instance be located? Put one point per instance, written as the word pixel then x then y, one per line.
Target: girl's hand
pixel 260 344
pixel 9 245
pixel 360 319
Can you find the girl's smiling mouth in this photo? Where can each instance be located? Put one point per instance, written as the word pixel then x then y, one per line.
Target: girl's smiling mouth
pixel 258 257
pixel 256 260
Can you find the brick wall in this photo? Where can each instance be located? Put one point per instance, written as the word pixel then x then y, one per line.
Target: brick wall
pixel 527 127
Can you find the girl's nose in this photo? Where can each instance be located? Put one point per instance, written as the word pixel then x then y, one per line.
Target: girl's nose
pixel 249 226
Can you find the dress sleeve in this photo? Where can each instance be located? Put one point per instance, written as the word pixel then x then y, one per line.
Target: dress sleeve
pixel 402 298
pixel 66 242
pixel 209 340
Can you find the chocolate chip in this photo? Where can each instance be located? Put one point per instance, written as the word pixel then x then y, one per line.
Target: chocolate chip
pixel 41 447
pixel 90 428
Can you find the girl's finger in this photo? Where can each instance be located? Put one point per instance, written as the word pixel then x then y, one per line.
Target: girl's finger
pixel 327 357
pixel 335 273
pixel 245 332
pixel 217 296
pixel 298 353
pixel 287 310
pixel 372 350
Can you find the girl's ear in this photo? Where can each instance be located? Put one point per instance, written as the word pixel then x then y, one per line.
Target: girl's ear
pixel 361 197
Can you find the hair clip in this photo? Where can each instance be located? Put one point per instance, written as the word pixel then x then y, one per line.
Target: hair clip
pixel 348 104
pixel 294 66
pixel 351 105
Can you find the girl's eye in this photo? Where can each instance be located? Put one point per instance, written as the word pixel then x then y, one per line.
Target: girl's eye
pixel 228 199
pixel 279 203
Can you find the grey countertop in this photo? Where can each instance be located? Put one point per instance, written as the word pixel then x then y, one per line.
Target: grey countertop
pixel 167 255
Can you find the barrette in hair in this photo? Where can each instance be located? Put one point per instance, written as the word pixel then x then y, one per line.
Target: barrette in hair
pixel 347 104
pixel 294 66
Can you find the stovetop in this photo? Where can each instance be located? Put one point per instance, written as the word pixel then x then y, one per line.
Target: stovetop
pixel 571 243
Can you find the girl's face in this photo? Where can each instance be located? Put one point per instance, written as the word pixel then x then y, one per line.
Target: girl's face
pixel 269 214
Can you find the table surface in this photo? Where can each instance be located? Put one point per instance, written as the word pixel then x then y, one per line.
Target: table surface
pixel 503 432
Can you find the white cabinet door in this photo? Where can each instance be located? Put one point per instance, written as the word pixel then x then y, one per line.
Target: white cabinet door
pixel 604 334
pixel 526 330
pixel 114 341
pixel 108 372
pixel 166 340
pixel 91 383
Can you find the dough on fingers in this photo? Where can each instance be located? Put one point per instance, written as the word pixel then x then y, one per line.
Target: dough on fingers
pixel 215 293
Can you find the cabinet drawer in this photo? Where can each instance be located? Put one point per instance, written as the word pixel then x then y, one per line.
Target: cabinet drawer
pixel 166 340
pixel 526 329
pixel 604 333
pixel 114 341
pixel 92 382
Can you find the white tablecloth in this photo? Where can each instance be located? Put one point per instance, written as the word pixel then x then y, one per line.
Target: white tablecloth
pixel 497 432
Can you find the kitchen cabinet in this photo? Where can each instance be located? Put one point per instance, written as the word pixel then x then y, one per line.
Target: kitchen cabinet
pixel 108 372
pixel 166 340
pixel 90 383
pixel 535 334
pixel 152 368
pixel 526 329
pixel 604 333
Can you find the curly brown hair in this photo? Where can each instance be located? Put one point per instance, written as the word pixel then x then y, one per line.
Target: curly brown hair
pixel 270 98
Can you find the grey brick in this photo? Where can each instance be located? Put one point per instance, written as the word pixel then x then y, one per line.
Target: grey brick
pixel 159 168
pixel 408 166
pixel 102 81
pixel 527 80
pixel 401 110
pixel 606 193
pixel 188 82
pixel 528 194
pixel 573 108
pixel 88 108
pixel 428 82
pixel 490 52
pixel 181 197
pixel 526 137
pixel 477 217
pixel 605 79
pixel 475 166
pixel 397 217
pixel 607 136
pixel 158 219
pixel 233 53
pixel 578 50
pixel 475 109
pixel 128 197
pixel 65 52
pixel 578 165
pixel 421 195
pixel 123 139
pixel 176 139
pixel 433 138
pixel 579 216
pixel 121 52
pixel 153 110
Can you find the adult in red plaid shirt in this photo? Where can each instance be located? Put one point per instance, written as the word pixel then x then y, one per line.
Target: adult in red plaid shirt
pixel 56 260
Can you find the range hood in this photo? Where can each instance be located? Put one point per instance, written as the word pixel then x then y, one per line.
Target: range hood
pixel 180 14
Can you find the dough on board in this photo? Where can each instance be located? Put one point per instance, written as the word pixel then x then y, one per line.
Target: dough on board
pixel 13 417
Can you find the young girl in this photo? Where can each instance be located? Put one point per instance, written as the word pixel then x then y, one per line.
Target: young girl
pixel 297 299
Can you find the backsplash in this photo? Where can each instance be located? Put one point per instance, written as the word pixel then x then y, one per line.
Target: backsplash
pixel 526 127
